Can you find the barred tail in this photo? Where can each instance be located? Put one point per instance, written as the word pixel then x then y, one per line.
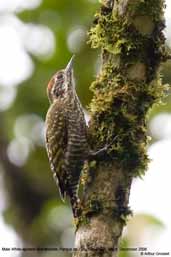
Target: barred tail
pixel 60 185
pixel 75 201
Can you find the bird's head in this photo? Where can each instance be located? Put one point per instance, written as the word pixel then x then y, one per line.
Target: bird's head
pixel 61 83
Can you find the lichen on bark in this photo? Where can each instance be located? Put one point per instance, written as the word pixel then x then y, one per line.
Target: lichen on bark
pixel 126 88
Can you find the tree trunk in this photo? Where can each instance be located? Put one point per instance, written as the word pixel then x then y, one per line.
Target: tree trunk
pixel 130 35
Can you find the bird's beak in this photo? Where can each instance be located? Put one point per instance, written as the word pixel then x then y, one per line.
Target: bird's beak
pixel 70 64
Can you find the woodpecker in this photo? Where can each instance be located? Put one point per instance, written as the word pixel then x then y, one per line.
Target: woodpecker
pixel 66 134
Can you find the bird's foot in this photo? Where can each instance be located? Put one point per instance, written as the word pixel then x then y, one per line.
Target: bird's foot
pixel 101 152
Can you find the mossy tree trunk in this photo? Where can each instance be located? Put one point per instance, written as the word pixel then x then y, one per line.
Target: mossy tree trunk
pixel 130 35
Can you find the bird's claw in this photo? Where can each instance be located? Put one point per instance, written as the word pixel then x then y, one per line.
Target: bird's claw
pixel 100 153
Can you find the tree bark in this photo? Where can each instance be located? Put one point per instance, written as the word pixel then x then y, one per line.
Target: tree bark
pixel 130 36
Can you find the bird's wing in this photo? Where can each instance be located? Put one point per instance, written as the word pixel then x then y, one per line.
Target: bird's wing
pixel 56 142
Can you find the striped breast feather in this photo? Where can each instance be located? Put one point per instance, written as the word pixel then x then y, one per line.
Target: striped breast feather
pixel 56 140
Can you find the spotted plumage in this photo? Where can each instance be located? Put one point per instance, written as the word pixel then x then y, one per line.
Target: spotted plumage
pixel 66 139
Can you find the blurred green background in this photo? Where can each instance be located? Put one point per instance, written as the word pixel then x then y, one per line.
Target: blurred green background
pixel 36 39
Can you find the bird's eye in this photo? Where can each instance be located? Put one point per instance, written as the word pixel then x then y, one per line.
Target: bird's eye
pixel 60 76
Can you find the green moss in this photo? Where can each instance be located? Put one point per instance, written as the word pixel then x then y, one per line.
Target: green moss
pixel 152 8
pixel 121 214
pixel 82 220
pixel 109 33
pixel 127 87
pixel 93 207
pixel 128 84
